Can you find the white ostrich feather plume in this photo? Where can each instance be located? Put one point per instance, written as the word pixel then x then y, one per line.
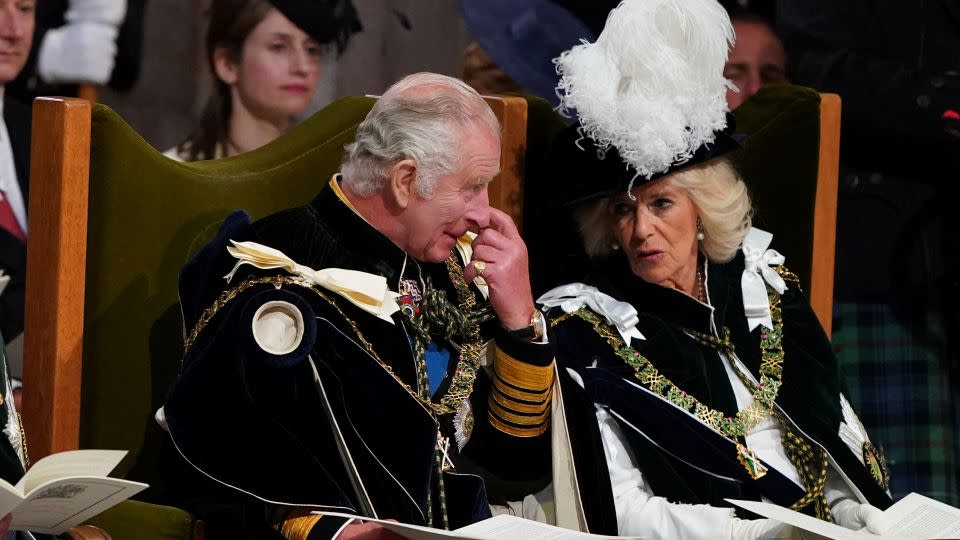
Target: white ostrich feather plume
pixel 652 85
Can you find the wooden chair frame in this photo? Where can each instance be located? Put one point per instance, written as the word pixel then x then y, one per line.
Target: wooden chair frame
pixel 56 264
pixel 825 212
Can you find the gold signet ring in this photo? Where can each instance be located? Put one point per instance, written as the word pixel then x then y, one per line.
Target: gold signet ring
pixel 479 266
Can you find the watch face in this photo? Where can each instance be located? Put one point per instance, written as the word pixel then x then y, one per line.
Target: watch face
pixel 533 331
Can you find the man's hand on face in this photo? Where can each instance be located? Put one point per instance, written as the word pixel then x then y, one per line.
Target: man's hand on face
pixel 501 254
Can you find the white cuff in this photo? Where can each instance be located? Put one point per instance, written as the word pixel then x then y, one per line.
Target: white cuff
pixel 81 52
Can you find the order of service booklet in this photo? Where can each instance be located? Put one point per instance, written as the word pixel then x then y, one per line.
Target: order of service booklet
pixel 914 517
pixel 500 527
pixel 65 489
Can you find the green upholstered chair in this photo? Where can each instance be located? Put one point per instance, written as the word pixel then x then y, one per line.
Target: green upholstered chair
pixel 791 165
pixel 547 229
pixel 111 223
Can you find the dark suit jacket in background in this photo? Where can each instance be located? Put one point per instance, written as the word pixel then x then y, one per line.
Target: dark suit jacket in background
pixel 13 252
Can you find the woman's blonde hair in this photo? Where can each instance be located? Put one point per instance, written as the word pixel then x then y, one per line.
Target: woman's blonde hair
pixel 722 201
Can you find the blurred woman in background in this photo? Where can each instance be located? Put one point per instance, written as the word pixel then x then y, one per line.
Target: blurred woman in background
pixel 265 59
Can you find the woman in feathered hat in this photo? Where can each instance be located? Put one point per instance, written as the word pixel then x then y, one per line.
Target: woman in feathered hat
pixel 692 369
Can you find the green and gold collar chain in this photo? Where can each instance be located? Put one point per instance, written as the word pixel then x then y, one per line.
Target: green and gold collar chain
pixel 811 462
pixel 733 427
pixel 459 324
pixel 462 322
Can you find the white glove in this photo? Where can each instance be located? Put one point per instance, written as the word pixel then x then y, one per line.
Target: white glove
pixel 80 52
pixel 109 12
pixel 768 529
pixel 84 49
pixel 853 515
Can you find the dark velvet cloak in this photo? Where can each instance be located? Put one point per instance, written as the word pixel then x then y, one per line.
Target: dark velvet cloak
pixel 681 458
pixel 326 426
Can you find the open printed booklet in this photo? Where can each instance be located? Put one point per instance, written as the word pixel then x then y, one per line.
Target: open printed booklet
pixel 914 517
pixel 496 528
pixel 65 489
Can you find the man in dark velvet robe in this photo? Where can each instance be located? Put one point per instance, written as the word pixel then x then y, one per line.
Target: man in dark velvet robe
pixel 375 352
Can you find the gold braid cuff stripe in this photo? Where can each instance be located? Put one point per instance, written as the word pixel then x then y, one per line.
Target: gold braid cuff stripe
pixel 510 404
pixel 520 420
pixel 531 396
pixel 522 374
pixel 516 431
pixel 299 528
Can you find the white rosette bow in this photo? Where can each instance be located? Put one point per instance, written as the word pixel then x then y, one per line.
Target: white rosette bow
pixel 573 296
pixel 367 291
pixel 757 274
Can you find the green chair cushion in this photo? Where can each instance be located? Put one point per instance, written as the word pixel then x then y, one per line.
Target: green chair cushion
pixel 779 163
pixel 147 214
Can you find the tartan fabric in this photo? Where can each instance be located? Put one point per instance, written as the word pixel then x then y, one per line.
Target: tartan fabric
pixel 898 380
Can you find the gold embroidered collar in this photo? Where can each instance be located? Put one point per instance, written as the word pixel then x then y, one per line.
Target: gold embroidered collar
pixel 733 427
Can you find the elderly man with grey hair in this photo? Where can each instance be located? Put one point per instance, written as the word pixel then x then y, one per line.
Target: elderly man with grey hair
pixel 375 352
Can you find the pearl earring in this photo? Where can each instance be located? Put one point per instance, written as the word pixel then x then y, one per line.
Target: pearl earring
pixel 615 246
pixel 700 235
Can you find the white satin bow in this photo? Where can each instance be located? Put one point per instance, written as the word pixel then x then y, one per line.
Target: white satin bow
pixel 369 292
pixel 758 270
pixel 574 296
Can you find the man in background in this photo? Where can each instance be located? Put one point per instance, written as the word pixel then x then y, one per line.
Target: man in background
pixel 82 42
pixel 757 57
pixel 16 36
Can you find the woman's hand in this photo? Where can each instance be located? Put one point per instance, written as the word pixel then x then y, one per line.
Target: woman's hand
pixel 853 515
pixel 5 524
